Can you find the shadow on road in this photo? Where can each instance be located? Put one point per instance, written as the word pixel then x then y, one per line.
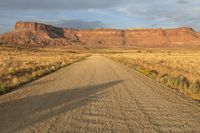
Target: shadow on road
pixel 38 108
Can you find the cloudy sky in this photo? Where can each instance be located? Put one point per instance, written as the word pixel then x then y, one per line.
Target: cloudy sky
pixel 102 13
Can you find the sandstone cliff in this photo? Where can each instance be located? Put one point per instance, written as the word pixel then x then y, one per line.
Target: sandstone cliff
pixel 101 36
pixel 41 34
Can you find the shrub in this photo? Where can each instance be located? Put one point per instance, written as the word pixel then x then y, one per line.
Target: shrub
pixel 149 51
pixel 63 64
pixel 153 74
pixel 139 51
pixel 15 81
pixel 3 88
pixel 150 73
pixel 181 83
pixel 40 72
pixel 53 68
pixel 164 78
pixel 34 74
pixel 170 81
pixel 195 86
pixel 184 83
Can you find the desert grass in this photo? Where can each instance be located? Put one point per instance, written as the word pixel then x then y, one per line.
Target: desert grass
pixel 19 65
pixel 178 70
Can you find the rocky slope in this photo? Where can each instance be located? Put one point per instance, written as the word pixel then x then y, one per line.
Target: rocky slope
pixel 41 34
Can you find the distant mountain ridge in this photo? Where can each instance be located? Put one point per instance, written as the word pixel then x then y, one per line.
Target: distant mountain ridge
pixel 33 33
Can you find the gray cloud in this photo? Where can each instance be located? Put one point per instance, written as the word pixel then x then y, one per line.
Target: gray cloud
pixel 162 13
pixel 157 12
pixel 182 2
pixel 77 23
pixel 57 4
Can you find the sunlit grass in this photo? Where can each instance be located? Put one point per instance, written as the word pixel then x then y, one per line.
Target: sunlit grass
pixel 20 65
pixel 179 70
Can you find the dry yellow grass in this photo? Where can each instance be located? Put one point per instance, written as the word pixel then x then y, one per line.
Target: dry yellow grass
pixel 179 70
pixel 19 64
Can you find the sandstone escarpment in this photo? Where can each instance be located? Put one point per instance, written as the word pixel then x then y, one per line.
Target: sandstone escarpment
pixel 42 34
pixel 146 37
pixel 39 34
pixel 162 37
pixel 141 37
pixel 182 36
pixel 101 36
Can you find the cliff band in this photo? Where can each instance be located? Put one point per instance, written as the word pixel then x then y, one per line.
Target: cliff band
pixel 33 33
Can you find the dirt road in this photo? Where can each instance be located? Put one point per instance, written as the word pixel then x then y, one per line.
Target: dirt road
pixel 97 95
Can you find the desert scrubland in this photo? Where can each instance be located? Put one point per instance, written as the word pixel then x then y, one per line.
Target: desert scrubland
pixel 19 65
pixel 178 69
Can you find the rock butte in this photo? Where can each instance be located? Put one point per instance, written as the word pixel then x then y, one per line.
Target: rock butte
pixel 41 34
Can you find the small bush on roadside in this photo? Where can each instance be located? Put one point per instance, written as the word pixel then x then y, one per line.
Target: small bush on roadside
pixel 150 73
pixel 3 88
pixel 15 81
pixel 170 81
pixel 164 78
pixel 40 72
pixel 195 86
pixel 183 83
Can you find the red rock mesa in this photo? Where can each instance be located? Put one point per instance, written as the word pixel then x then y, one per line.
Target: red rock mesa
pixel 33 33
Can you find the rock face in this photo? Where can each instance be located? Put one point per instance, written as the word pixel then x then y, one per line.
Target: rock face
pixel 141 37
pixel 101 36
pixel 162 37
pixel 41 34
